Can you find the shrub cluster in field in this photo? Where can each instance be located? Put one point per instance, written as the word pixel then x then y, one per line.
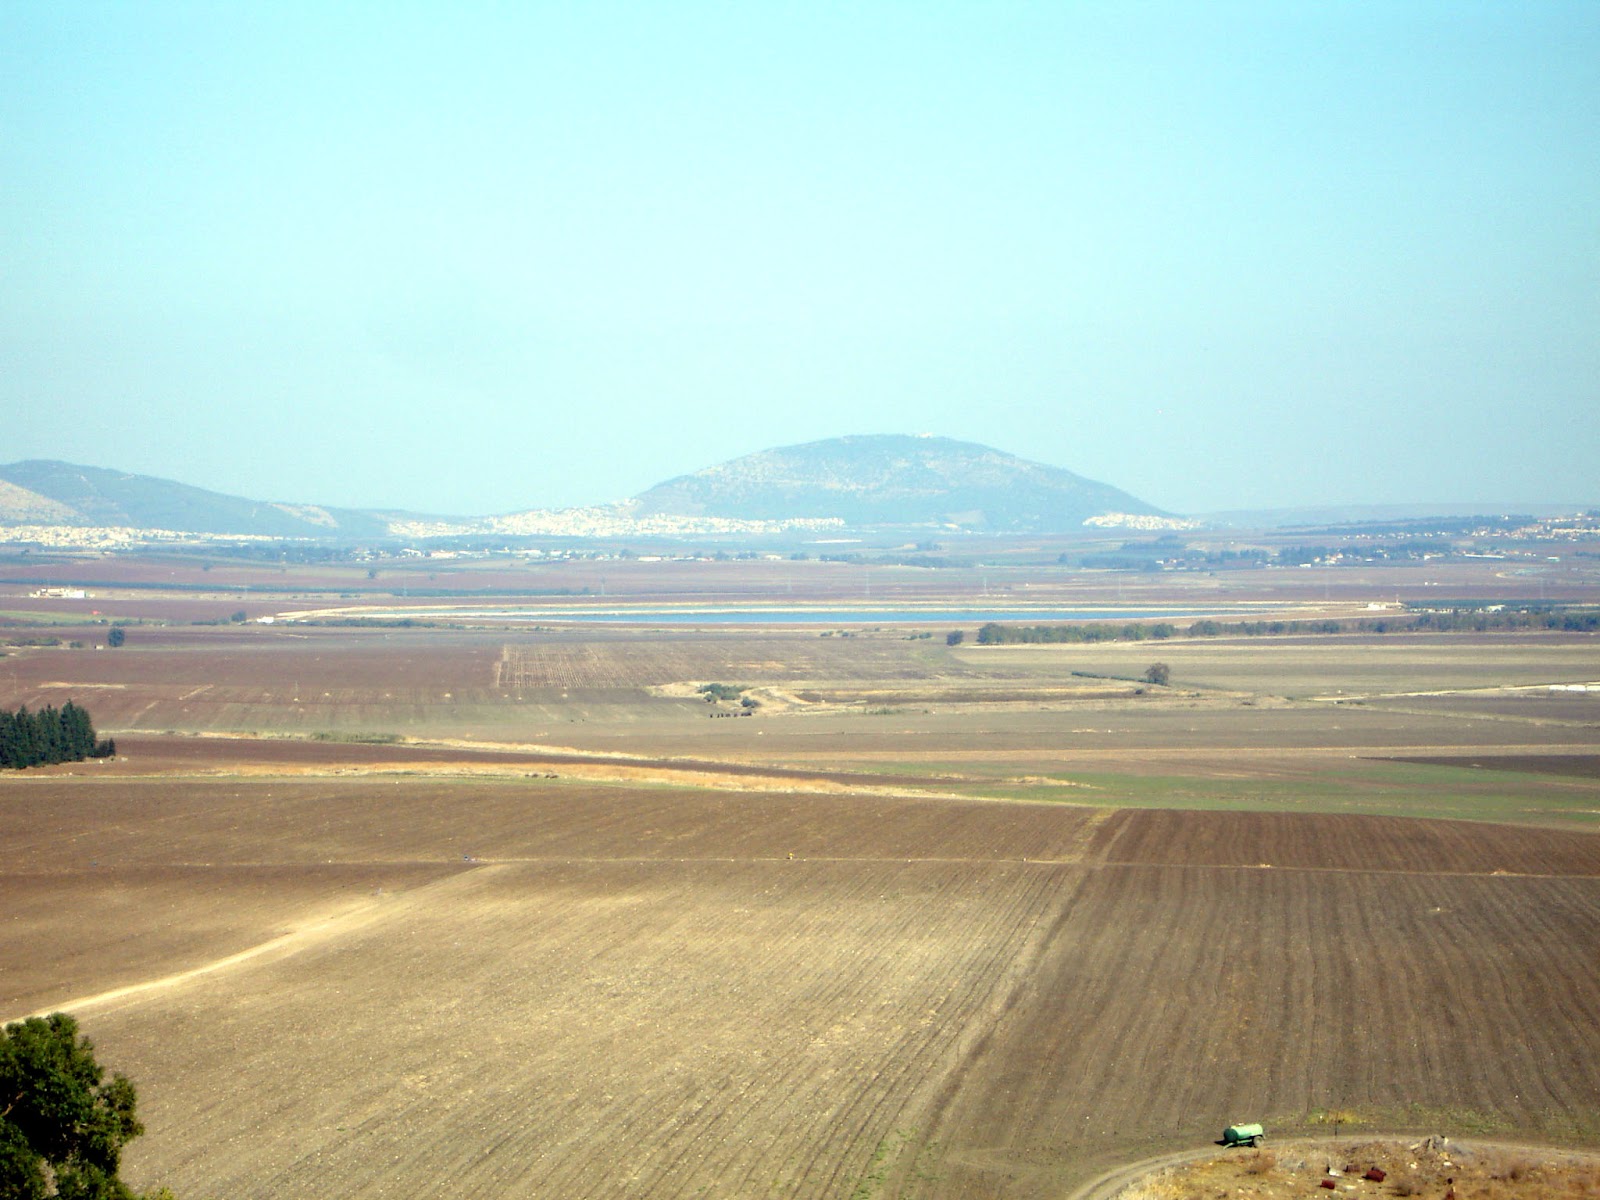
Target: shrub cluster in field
pixel 51 735
pixel 728 691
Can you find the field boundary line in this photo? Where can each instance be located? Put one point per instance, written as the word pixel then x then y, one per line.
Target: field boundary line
pixel 622 775
pixel 1489 689
pixel 1309 869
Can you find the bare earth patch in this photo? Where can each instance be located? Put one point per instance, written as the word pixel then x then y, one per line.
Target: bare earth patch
pixel 1431 1167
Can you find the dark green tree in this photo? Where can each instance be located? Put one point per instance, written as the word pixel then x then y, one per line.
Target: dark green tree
pixel 77 731
pixel 1158 673
pixel 47 735
pixel 116 637
pixel 51 735
pixel 62 1123
pixel 18 740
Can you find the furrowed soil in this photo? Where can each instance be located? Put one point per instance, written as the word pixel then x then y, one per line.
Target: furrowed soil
pixel 487 987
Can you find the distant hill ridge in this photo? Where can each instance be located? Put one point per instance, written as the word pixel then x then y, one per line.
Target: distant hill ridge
pixel 863 481
pixel 47 492
pixel 893 479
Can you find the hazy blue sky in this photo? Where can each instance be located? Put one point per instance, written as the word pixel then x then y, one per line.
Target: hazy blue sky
pixel 482 257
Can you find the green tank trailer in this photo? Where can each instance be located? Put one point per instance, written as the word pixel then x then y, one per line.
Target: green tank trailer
pixel 1243 1135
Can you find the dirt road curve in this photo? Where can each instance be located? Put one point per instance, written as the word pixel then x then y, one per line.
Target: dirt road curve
pixel 1103 1187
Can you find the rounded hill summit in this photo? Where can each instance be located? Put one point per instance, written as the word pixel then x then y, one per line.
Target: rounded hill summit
pixel 894 479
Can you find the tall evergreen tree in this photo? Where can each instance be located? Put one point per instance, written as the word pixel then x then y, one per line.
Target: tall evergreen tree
pixel 77 731
pixel 51 735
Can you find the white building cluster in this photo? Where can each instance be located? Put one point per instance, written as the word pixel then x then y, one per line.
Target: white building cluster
pixel 1140 521
pixel 605 521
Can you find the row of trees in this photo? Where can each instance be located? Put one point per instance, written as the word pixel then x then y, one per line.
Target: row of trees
pixel 51 735
pixel 1457 620
pixel 995 634
pixel 1479 621
pixel 1268 628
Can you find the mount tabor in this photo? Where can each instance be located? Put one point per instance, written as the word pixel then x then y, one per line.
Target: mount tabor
pixel 894 480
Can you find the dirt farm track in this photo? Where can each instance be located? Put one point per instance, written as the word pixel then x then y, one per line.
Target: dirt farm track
pixel 493 987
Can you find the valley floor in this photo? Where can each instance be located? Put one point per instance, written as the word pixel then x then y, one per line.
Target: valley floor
pixel 478 912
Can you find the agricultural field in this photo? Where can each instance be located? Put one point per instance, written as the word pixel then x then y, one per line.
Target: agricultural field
pixel 474 986
pixel 471 910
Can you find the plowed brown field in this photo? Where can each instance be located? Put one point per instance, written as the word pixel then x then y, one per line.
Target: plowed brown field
pixel 478 988
pixel 514 917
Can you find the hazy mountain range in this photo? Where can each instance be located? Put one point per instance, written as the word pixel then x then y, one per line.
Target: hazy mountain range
pixel 859 482
pixel 862 482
